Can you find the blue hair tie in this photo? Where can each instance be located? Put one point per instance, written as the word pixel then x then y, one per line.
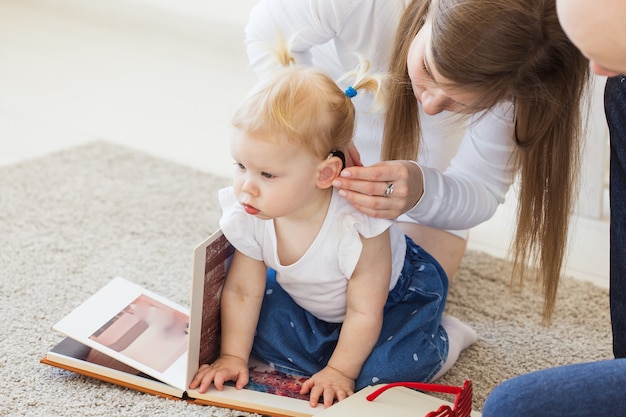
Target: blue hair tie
pixel 350 92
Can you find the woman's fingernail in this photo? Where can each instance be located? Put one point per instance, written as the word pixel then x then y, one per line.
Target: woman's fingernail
pixel 342 193
pixel 345 173
pixel 336 183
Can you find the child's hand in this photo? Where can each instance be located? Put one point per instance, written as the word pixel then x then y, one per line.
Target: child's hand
pixel 225 368
pixel 329 383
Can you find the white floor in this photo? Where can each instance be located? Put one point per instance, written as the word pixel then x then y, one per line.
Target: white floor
pixel 160 76
pixel 154 79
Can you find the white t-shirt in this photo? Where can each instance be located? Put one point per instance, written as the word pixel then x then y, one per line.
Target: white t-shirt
pixel 467 165
pixel 318 281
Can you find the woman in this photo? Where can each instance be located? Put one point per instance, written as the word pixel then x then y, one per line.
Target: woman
pixel 504 64
pixel 591 388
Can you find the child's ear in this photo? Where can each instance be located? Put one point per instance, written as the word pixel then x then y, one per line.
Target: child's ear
pixel 328 170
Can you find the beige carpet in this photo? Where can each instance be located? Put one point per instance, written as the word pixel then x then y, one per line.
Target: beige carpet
pixel 72 220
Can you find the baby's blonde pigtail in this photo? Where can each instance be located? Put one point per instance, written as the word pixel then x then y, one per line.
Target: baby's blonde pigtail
pixel 363 80
pixel 282 51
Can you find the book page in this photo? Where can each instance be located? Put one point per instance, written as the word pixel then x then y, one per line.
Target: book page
pixel 126 322
pixel 74 356
pixel 395 402
pixel 269 392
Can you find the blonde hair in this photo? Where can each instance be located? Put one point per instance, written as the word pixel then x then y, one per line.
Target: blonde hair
pixel 506 50
pixel 304 105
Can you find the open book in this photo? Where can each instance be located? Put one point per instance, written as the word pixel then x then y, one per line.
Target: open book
pixel 129 336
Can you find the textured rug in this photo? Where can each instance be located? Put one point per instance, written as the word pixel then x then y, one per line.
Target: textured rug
pixel 72 220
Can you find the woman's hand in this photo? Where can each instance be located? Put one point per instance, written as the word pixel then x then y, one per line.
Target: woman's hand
pixel 353 157
pixel 386 189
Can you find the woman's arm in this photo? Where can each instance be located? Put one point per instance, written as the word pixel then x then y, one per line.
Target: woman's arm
pixel 464 195
pixel 325 34
pixel 304 24
pixel 366 296
pixel 241 301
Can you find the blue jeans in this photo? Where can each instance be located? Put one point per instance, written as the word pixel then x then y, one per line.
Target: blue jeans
pixel 581 390
pixel 615 107
pixel 412 345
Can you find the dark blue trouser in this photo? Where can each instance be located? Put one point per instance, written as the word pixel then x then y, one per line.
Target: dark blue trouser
pixel 581 390
pixel 412 345
pixel 615 107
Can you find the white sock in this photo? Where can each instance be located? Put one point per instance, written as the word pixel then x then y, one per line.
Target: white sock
pixel 460 336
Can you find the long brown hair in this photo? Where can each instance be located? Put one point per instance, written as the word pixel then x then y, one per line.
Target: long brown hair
pixel 507 50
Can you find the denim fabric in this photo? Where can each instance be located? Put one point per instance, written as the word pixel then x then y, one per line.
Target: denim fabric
pixel 615 108
pixel 412 345
pixel 580 390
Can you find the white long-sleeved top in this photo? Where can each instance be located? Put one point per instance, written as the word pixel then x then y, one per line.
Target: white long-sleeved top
pixel 467 163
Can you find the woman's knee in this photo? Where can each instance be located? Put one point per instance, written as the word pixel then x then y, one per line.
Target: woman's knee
pixel 446 248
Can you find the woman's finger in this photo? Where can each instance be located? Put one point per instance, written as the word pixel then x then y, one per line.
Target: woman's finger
pixel 369 188
pixel 382 171
pixel 353 158
pixel 374 205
